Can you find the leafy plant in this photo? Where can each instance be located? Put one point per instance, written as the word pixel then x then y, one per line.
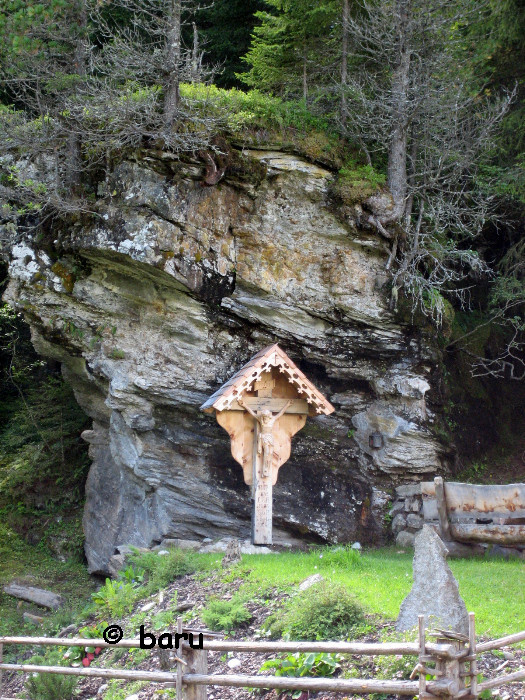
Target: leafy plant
pixel 50 686
pixel 133 576
pixel 324 611
pixel 299 665
pixel 162 570
pixel 115 598
pixel 225 614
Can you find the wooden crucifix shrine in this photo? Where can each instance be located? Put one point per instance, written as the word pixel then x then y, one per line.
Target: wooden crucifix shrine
pixel 262 407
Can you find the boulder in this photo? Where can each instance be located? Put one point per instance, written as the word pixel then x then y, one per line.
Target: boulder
pixel 172 288
pixel 39 596
pixel 435 592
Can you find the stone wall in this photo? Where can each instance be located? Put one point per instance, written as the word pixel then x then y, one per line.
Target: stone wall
pixel 407 514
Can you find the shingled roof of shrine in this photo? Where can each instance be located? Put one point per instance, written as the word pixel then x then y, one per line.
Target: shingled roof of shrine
pixel 263 361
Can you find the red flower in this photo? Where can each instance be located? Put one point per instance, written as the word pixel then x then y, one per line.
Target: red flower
pixel 86 660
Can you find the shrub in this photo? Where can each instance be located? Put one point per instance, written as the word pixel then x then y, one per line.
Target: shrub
pixel 115 598
pixel 162 570
pixel 225 614
pixel 50 686
pixel 324 611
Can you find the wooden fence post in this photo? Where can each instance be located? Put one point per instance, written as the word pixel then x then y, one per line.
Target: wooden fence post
pixel 197 662
pixel 422 659
pixel 473 655
pixel 178 684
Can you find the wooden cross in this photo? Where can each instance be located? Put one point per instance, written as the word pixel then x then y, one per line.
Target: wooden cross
pixel 262 407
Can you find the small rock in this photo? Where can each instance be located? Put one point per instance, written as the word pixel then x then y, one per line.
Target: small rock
pixel 405 539
pixel 147 607
pixel 413 505
pixel 397 508
pixel 67 630
pixel 233 553
pixel 310 581
pixel 398 523
pixel 132 697
pixel 102 689
pixel 116 563
pixel 415 521
pixel 408 490
pixel 509 656
pixel 234 663
pixel 163 552
pixel 356 545
pixel 35 619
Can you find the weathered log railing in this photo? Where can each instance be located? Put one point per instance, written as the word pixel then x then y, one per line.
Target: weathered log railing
pixel 452 660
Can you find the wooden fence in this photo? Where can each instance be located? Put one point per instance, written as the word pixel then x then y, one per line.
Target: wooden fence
pixel 451 660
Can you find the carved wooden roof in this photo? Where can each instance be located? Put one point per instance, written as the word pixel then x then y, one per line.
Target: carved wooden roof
pixel 263 361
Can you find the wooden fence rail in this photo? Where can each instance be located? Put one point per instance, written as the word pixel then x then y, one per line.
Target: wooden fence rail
pixel 452 660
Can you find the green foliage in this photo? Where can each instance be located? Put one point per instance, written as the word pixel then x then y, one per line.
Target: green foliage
pixel 163 570
pixel 115 598
pixel 355 183
pixel 225 614
pixel 43 460
pixel 340 556
pixel 133 576
pixel 255 116
pixel 322 612
pixel 394 667
pixel 120 690
pixel 298 665
pixel 163 620
pixel 50 686
pixel 226 26
pixel 293 47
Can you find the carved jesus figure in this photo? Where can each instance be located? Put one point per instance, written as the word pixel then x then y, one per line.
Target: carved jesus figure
pixel 265 439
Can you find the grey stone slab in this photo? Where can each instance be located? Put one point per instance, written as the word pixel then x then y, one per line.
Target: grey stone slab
pixel 435 593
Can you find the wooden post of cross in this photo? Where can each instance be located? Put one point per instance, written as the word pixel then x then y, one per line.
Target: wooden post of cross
pixel 262 482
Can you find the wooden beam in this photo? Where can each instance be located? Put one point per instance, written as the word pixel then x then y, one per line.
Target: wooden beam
pixel 257 403
pixel 442 508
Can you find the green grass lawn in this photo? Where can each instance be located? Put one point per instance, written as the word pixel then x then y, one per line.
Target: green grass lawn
pixel 494 589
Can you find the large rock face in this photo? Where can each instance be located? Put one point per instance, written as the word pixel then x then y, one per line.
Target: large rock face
pixel 155 304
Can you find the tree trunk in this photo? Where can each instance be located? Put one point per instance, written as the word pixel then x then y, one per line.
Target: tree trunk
pixel 72 174
pixel 195 56
pixel 173 53
pixel 344 61
pixel 397 154
pixel 305 82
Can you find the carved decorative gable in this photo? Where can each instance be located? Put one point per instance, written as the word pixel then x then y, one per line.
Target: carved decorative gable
pixel 225 398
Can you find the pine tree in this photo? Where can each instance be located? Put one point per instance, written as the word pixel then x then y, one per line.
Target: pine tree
pixel 293 53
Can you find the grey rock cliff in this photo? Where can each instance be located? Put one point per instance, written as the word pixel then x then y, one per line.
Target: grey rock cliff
pixel 157 302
